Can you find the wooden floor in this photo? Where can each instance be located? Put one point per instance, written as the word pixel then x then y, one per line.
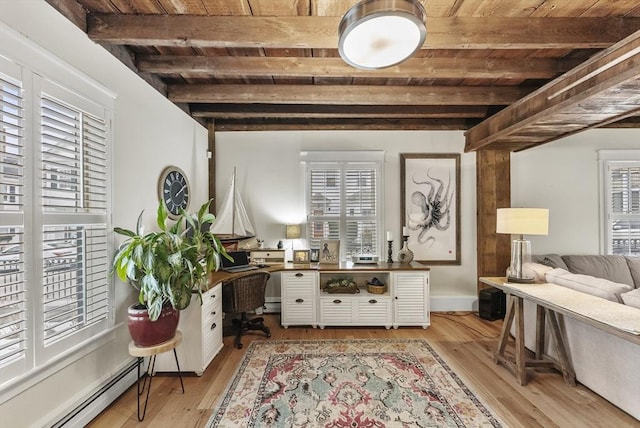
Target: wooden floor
pixel 465 341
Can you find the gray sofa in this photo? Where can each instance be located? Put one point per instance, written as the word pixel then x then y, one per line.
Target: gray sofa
pixel 606 364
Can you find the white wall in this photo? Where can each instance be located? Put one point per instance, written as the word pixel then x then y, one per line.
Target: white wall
pixel 563 176
pixel 149 134
pixel 270 182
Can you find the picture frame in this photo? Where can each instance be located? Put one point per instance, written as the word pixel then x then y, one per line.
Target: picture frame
pixel 301 256
pixel 329 251
pixel 430 206
pixel 314 255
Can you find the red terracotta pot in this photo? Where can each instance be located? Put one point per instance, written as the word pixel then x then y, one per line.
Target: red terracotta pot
pixel 148 333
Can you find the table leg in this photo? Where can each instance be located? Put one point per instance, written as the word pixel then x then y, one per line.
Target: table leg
pixel 506 328
pixel 540 332
pixel 175 354
pixel 149 376
pixel 521 370
pixel 565 363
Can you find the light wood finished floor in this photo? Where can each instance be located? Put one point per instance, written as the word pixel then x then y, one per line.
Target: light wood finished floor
pixel 464 340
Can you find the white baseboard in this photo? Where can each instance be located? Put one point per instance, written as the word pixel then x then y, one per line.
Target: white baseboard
pixel 100 399
pixel 453 303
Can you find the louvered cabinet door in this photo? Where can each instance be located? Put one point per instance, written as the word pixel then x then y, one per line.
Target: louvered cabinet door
pixel 299 298
pixel 410 299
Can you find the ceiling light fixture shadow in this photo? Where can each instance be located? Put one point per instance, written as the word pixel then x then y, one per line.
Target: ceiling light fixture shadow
pixel 380 33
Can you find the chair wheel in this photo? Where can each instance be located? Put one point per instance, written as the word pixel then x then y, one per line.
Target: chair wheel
pixel 268 334
pixel 239 346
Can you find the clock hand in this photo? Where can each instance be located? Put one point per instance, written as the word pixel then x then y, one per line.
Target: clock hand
pixel 181 190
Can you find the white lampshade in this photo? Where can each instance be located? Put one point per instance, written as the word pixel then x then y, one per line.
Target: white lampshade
pixel 381 33
pixel 523 221
pixel 293 231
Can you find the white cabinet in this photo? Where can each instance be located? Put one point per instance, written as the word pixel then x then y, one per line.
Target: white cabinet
pixel 404 303
pixel 298 302
pixel 411 298
pixel 201 327
pixel 350 309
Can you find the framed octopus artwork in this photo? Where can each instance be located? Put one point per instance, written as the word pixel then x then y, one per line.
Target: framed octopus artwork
pixel 430 204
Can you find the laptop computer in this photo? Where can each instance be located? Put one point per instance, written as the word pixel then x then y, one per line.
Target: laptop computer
pixel 240 262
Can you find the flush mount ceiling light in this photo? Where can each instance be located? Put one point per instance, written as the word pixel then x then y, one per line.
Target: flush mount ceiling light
pixel 381 33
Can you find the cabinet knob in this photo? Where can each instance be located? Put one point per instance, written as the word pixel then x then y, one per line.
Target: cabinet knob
pixel 373 301
pixel 299 275
pixel 213 312
pixel 396 297
pixel 337 301
pixel 213 296
pixel 299 300
pixel 213 326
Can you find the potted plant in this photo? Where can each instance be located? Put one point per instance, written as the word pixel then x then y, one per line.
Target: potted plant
pixel 166 267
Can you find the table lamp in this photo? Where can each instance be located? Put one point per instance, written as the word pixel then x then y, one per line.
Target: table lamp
pixel 521 221
pixel 293 231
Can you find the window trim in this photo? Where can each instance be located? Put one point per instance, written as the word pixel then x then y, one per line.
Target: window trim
pixel 606 158
pixel 308 158
pixel 38 68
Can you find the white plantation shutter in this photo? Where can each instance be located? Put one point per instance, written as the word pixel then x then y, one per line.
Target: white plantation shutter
pixel 343 200
pixel 74 205
pixel 623 207
pixel 13 310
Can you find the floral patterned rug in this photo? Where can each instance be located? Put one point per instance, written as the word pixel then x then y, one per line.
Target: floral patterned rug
pixel 347 383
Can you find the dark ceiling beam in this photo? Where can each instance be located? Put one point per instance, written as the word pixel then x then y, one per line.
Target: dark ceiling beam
pixel 417 68
pixel 602 90
pixel 346 95
pixel 341 124
pixel 321 32
pixel 286 111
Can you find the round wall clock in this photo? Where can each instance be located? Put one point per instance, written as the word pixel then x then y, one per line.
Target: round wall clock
pixel 173 190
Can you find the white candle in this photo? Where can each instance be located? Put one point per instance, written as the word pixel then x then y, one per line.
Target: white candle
pixel 389 237
pixel 405 231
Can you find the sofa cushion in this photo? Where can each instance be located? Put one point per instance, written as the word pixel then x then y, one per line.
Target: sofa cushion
pixel 588 284
pixel 552 260
pixel 631 298
pixel 613 268
pixel 634 268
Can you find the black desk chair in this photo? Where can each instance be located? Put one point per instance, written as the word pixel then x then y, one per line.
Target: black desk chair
pixel 243 294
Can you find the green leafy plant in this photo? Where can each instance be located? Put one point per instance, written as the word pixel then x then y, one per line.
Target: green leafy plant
pixel 167 266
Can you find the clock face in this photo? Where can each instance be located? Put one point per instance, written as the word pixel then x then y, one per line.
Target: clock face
pixel 174 190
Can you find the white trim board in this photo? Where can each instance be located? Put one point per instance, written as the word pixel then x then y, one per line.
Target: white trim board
pixel 453 303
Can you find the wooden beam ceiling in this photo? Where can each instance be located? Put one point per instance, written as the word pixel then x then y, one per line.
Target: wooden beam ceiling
pixel 603 89
pixel 321 32
pixel 346 95
pixel 418 68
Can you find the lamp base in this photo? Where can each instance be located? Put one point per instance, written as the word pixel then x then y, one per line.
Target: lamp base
pixel 519 280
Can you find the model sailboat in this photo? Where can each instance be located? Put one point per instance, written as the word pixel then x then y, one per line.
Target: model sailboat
pixel 232 222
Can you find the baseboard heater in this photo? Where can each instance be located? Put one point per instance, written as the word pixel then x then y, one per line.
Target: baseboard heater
pixel 88 409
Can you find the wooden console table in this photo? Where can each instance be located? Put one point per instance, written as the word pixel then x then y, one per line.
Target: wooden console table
pixel 551 300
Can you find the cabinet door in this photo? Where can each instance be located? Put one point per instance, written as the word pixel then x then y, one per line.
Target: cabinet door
pixel 374 311
pixel 336 310
pixel 298 298
pixel 411 298
pixel 211 324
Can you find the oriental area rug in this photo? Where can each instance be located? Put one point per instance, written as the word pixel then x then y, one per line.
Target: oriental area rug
pixel 347 383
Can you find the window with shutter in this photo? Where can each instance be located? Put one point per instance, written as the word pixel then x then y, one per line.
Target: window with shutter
pixel 622 204
pixel 56 293
pixel 13 311
pixel 343 200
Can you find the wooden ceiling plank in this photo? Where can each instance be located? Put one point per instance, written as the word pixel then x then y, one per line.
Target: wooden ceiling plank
pixel 618 66
pixel 321 32
pixel 337 124
pixel 433 68
pixel 344 95
pixel 240 111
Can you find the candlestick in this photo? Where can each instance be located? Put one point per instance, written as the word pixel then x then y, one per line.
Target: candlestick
pixel 390 243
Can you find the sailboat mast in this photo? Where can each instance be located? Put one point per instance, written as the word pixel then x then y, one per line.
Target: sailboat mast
pixel 233 205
